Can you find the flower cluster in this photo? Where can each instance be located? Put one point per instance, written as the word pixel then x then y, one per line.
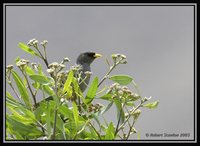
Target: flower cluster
pixel 66 59
pixel 118 91
pixel 8 71
pixel 22 63
pixel 9 67
pixel 94 107
pixel 119 59
pixel 55 67
pixel 33 43
pixel 44 43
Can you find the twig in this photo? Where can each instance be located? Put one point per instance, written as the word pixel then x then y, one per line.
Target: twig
pixel 43 58
pixel 40 125
pixel 129 132
pixel 110 70
pixel 33 96
pixel 95 131
pixel 129 116
pixel 14 91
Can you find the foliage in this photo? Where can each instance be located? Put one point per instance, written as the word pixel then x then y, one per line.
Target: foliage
pixel 65 113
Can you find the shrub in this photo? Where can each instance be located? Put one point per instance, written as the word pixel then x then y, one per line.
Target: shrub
pixel 70 114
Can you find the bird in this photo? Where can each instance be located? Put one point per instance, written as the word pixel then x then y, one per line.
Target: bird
pixel 84 60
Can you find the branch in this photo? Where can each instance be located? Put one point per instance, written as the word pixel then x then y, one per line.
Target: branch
pixel 110 70
pixel 129 116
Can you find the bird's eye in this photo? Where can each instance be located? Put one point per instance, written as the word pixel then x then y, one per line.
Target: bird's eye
pixel 91 54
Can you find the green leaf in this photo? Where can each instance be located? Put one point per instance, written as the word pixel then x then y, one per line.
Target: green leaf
pixel 29 70
pixel 110 132
pixel 48 90
pixel 107 108
pixel 120 111
pixel 19 110
pixel 22 129
pixel 40 72
pixel 8 95
pixel 77 89
pixel 40 79
pixel 92 91
pixel 36 85
pixel 12 103
pixel 151 105
pixel 106 97
pixel 121 79
pixel 75 113
pixel 68 82
pixel 28 49
pixel 17 59
pixel 22 89
pixel 60 126
pixel 66 112
pixel 20 117
pixel 71 126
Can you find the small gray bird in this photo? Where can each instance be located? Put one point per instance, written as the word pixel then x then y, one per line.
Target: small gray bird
pixel 84 60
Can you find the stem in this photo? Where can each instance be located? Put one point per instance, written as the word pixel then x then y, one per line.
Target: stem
pixel 95 131
pixel 110 70
pixel 120 137
pixel 54 125
pixel 43 58
pixel 33 96
pixel 118 123
pixel 40 125
pixel 45 53
pixel 55 114
pixel 129 132
pixel 130 126
pixel 46 62
pixel 14 91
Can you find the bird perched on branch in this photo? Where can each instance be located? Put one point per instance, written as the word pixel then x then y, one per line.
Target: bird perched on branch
pixel 84 60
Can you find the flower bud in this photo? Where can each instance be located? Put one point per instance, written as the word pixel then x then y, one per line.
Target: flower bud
pixel 51 70
pixel 136 114
pixel 124 62
pixel 133 130
pixel 66 59
pixel 88 73
pixel 114 56
pixel 9 67
pixel 35 42
pixel 54 64
pixel 30 43
pixel 62 65
pixel 123 56
pixel 44 43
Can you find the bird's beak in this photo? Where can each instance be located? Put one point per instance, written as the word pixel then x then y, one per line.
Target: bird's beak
pixel 97 55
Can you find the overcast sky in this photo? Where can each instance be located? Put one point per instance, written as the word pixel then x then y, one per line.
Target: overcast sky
pixel 157 40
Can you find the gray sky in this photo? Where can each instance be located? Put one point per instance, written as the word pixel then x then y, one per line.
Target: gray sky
pixel 157 40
